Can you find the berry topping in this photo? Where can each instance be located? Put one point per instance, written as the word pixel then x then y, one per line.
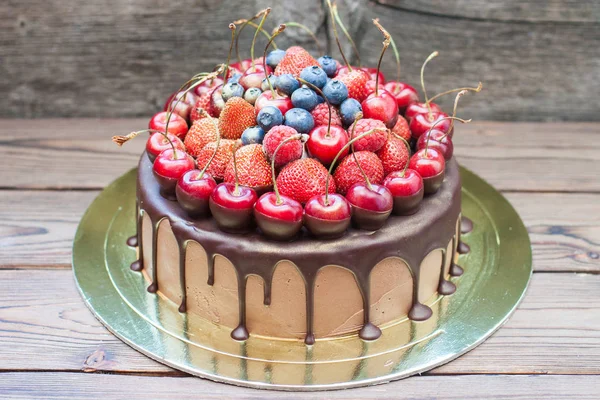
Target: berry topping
pixel 305 98
pixel 219 163
pixel 393 155
pixel 303 179
pixel 329 65
pixel 348 173
pixel 372 142
pixel 314 75
pixel 237 115
pixel 288 152
pixel 320 115
pixel 200 134
pixel 254 134
pixel 269 117
pixel 252 166
pixel 335 91
pixel 349 109
pixel 294 61
pixel 299 119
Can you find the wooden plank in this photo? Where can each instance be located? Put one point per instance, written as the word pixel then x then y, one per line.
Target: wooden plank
pixel 556 330
pixel 78 153
pixel 49 385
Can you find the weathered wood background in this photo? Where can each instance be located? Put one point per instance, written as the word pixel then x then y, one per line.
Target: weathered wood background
pixel 539 60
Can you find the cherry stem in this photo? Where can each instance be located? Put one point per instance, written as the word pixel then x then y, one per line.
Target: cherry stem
pixel 397 56
pixel 339 21
pixel 276 32
pixel 293 137
pixel 316 89
pixel 263 31
pixel 244 23
pixel 335 34
pixel 307 30
pixel 464 121
pixel 214 122
pixel 260 25
pixel 429 58
pixel 470 89
pixel 121 140
pixel 407 149
pixel 226 69
pixel 236 189
pixel 386 44
pixel 458 96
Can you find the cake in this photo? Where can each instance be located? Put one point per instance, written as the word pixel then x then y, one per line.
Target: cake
pixel 297 199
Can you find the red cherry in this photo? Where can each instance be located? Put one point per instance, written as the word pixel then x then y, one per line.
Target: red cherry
pixel 209 85
pixel 284 103
pixel 168 167
pixel 372 205
pixel 181 103
pixel 232 206
pixel 253 77
pixel 327 216
pixel 415 109
pixel 177 125
pixel 404 94
pixel 325 146
pixel 381 105
pixel 157 143
pixel 370 87
pixel 216 101
pixel 437 140
pixel 193 191
pixel 278 219
pixel 373 74
pixel 421 123
pixel 430 164
pixel 407 189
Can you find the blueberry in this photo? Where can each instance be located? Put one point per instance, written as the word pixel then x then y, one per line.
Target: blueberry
pixel 314 75
pixel 254 134
pixel 305 98
pixel 287 84
pixel 348 110
pixel 265 85
pixel 274 57
pixel 252 94
pixel 328 64
pixel 299 119
pixel 234 78
pixel 269 117
pixel 335 91
pixel 232 89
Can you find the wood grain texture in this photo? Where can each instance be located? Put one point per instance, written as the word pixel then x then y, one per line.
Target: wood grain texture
pixel 556 330
pixel 78 153
pixel 502 387
pixel 114 58
pixel 37 228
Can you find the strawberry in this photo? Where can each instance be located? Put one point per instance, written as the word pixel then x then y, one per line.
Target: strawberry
pixel 202 132
pixel 253 167
pixel 320 115
pixel 204 103
pixel 393 155
pixel 348 173
pixel 356 82
pixel 303 179
pixel 290 151
pixel 225 153
pixel 401 129
pixel 294 61
pixel 237 115
pixel 373 141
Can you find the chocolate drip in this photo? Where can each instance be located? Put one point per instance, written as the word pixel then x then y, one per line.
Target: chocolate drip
pixel 253 254
pixel 138 265
pixel 466 225
pixel 463 248
pixel 456 270
pixel 182 251
pixel 132 241
pixel 445 287
pixel 210 264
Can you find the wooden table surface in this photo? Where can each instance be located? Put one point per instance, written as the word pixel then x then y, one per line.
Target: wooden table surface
pixel 51 346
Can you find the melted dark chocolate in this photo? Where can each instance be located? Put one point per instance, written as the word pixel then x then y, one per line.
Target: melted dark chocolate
pixel 466 225
pixel 463 248
pixel 410 238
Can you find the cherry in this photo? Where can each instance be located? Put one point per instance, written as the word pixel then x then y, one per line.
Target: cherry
pixel 177 125
pixel 232 205
pixel 157 143
pixel 375 74
pixel 406 187
pixel 372 204
pixel 417 108
pixel 430 164
pixel 437 140
pixel 370 86
pixel 284 103
pixel 216 101
pixel 278 216
pixel 169 166
pixel 209 86
pixel 421 123
pixel 181 103
pixel 193 191
pixel 253 77
pixel 404 94
pixel 327 216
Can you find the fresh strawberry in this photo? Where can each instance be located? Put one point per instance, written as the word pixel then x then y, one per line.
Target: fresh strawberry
pixel 200 134
pixel 237 115
pixel 225 153
pixel 356 82
pixel 393 155
pixel 401 129
pixel 289 152
pixel 294 61
pixel 372 142
pixel 303 179
pixel 253 167
pixel 320 115
pixel 203 103
pixel 348 173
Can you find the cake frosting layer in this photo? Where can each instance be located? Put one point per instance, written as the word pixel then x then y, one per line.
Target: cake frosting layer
pixel 307 286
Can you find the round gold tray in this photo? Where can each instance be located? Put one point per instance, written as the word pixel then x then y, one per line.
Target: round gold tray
pixel 497 272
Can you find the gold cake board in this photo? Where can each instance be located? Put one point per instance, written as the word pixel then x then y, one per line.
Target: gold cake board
pixel 497 272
